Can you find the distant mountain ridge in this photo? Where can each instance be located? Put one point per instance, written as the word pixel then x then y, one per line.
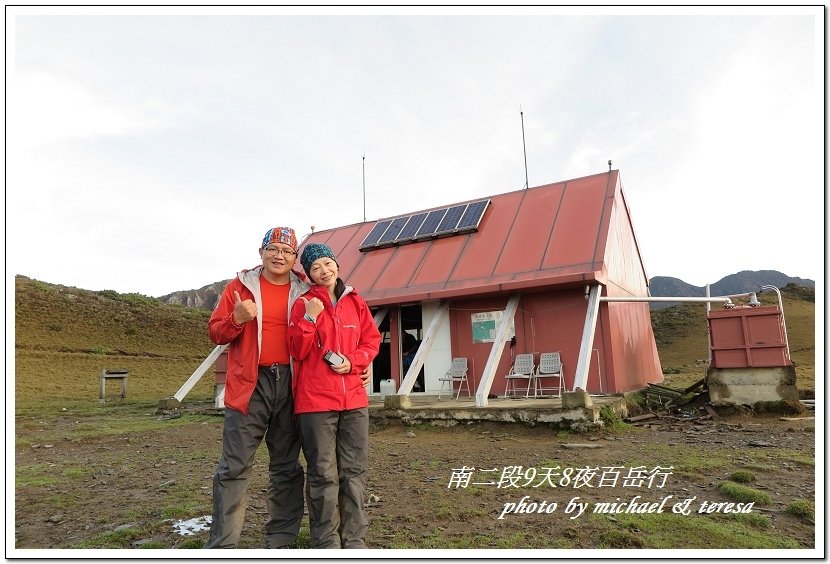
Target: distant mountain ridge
pixel 738 283
pixel 660 286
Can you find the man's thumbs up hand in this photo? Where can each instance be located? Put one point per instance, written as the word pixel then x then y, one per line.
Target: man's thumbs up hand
pixel 243 310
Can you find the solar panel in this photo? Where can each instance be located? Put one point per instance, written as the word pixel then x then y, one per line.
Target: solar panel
pixel 412 226
pixel 450 220
pixel 460 218
pixel 431 223
pixel 472 215
pixel 392 231
pixel 373 236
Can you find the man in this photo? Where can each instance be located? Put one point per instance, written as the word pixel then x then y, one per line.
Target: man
pixel 252 316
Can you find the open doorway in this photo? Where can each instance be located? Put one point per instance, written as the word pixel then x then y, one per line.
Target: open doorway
pixel 412 333
pixel 382 365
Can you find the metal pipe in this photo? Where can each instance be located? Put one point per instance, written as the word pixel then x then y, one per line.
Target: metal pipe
pixel 783 321
pixel 721 299
pixel 708 295
pixel 708 329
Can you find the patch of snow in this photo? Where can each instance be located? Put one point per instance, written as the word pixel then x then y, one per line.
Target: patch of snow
pixel 187 527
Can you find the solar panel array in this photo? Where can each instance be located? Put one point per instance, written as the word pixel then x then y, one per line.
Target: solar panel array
pixel 443 222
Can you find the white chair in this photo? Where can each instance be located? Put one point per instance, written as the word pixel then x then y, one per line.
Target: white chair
pixel 456 373
pixel 523 369
pixel 550 366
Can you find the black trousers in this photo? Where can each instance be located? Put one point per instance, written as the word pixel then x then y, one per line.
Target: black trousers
pixel 270 417
pixel 336 449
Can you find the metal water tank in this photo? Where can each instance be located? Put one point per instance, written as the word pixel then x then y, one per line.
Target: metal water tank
pixel 746 337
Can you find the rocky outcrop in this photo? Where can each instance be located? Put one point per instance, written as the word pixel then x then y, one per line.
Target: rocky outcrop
pixel 203 298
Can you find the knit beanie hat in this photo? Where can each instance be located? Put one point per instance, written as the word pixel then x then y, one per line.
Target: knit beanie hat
pixel 283 235
pixel 312 252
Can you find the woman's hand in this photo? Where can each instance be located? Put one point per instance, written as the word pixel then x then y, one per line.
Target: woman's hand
pixel 313 307
pixel 344 368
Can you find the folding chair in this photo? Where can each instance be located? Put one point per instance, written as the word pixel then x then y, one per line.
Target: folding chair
pixel 456 373
pixel 523 369
pixel 550 366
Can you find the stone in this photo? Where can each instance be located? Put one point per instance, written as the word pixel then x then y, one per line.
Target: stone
pixel 396 402
pixel 576 399
pixel 169 404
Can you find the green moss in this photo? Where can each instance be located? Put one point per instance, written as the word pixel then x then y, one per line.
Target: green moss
pixel 801 508
pixel 616 538
pixel 752 519
pixel 744 494
pixel 611 419
pixel 668 531
pixel 742 477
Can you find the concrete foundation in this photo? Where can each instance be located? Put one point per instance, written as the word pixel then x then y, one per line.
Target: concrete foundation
pixel 748 386
pixel 581 410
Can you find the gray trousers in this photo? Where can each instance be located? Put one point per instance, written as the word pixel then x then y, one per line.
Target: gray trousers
pixel 336 449
pixel 270 416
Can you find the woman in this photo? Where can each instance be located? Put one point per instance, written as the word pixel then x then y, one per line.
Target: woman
pixel 333 338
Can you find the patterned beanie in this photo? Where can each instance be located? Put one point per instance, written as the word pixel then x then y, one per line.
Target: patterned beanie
pixel 312 252
pixel 280 235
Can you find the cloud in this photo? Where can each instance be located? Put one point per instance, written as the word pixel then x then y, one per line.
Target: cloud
pixel 49 108
pixel 163 147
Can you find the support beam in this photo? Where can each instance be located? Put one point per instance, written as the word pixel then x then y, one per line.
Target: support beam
pixel 441 315
pixel 592 314
pixel 380 314
pixel 586 345
pixel 197 375
pixel 496 350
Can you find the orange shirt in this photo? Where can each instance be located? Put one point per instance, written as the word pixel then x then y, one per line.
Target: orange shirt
pixel 274 323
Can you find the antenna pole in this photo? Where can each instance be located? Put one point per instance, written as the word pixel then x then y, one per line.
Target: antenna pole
pixel 364 186
pixel 524 148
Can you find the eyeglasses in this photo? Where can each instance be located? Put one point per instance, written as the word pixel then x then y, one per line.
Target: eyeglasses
pixel 278 251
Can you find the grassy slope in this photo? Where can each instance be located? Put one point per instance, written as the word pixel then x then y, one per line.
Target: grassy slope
pixel 64 336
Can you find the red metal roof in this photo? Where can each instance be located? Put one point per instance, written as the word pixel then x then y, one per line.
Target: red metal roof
pixel 536 237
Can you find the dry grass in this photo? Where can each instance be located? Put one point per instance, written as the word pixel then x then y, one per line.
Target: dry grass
pixel 55 377
pixel 64 336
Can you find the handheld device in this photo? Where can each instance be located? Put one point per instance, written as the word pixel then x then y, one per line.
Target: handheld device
pixel 333 358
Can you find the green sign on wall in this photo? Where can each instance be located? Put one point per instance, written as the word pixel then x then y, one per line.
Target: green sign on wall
pixel 485 325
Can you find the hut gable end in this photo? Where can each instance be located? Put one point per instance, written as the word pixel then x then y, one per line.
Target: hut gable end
pixel 572 233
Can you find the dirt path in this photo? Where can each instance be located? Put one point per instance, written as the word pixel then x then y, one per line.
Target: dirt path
pixel 427 486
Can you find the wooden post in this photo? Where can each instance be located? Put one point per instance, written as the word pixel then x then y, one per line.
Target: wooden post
pixel 120 375
pixel 102 385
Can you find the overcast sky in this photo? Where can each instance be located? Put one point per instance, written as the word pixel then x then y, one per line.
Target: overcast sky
pixel 149 150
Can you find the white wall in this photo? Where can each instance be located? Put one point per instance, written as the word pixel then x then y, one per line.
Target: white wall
pixel 440 356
